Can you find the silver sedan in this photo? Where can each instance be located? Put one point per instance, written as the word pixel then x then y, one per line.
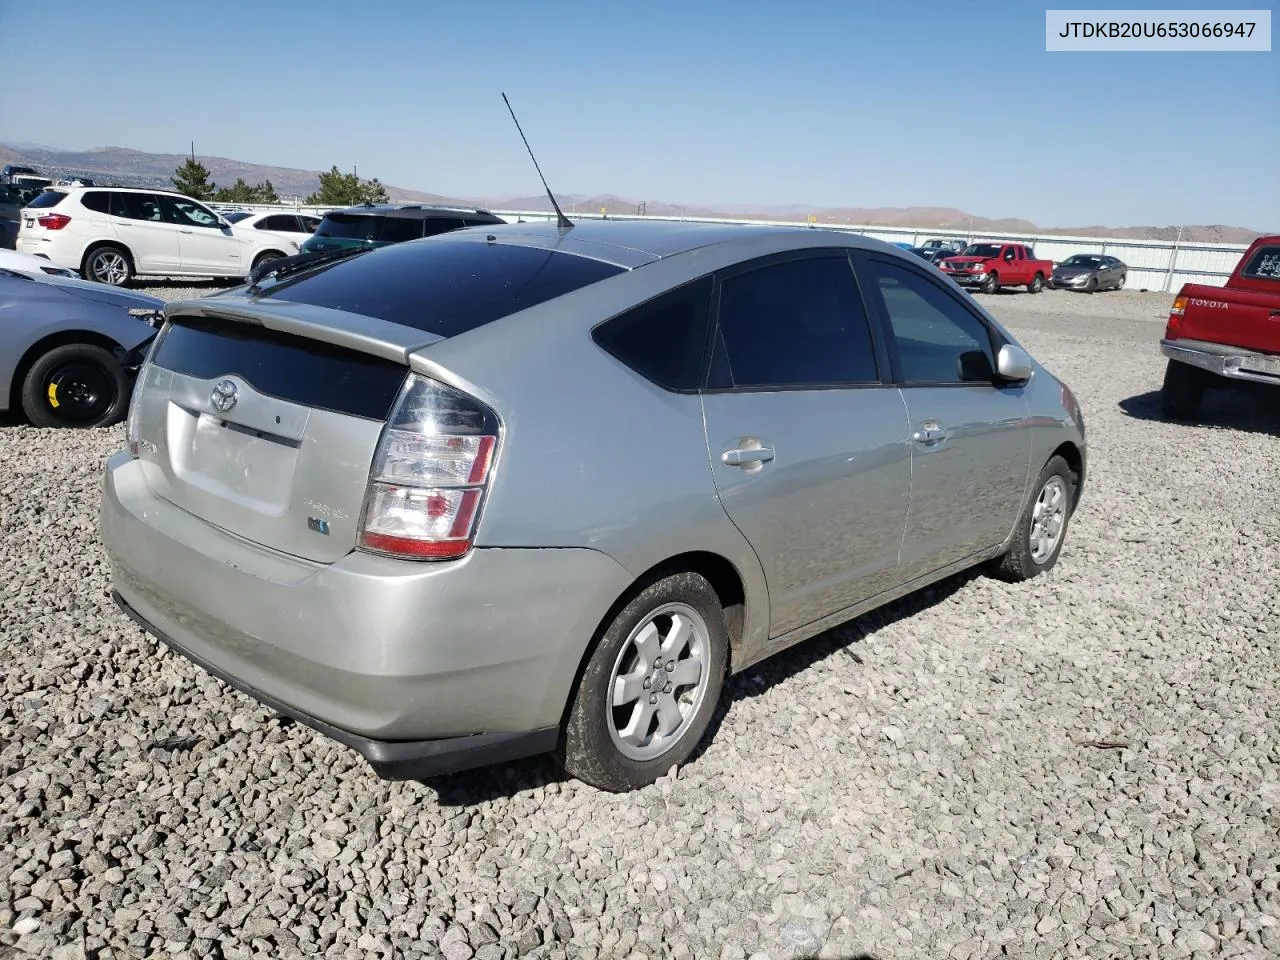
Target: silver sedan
pixel 535 488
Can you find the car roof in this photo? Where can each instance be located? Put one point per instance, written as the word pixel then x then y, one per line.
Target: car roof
pixel 419 211
pixel 633 243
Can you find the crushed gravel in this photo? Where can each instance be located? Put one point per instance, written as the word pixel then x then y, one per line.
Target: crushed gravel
pixel 1084 765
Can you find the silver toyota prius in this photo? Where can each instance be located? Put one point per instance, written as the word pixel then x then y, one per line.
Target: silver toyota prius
pixel 534 488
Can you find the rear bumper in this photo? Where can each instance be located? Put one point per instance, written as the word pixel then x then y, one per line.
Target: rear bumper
pixel 1223 360
pixel 423 668
pixel 390 759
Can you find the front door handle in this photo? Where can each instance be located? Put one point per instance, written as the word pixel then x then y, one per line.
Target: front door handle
pixel 184 231
pixel 930 432
pixel 747 456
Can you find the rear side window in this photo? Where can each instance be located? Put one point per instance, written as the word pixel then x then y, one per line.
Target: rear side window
pixel 136 206
pixel 663 339
pixel 347 226
pixel 443 288
pixel 799 323
pixel 1264 264
pixel 399 229
pixel 50 198
pixel 439 225
pixel 291 368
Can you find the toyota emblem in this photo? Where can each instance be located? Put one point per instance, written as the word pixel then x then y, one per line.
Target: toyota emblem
pixel 224 396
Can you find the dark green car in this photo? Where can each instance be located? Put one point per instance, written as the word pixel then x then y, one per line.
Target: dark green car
pixel 371 225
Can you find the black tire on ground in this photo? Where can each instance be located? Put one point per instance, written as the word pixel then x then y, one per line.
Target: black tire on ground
pixel 1120 282
pixel 76 385
pixel 991 284
pixel 1182 391
pixel 1092 285
pixel 587 749
pixel 1036 284
pixel 1019 563
pixel 109 264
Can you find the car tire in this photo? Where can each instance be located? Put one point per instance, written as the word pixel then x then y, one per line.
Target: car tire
pixel 1120 282
pixel 1092 285
pixel 109 264
pixel 1042 528
pixel 1036 284
pixel 76 385
pixel 267 257
pixel 613 737
pixel 1182 391
pixel 991 284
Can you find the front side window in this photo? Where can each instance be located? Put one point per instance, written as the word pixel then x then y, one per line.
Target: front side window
pixel 798 323
pixel 186 213
pixel 938 341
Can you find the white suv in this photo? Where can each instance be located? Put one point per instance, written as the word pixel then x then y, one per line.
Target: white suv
pixel 112 234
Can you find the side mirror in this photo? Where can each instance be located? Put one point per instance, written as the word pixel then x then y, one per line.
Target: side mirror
pixel 1013 365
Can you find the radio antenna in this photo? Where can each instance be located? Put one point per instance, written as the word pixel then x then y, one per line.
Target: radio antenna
pixel 563 222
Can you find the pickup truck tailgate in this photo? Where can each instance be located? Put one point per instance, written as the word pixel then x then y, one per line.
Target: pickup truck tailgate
pixel 1242 318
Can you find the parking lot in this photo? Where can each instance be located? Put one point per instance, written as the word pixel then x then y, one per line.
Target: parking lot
pixel 1087 764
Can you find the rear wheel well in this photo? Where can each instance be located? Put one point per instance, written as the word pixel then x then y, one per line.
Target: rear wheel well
pixel 1069 452
pixel 719 572
pixel 98 245
pixel 38 349
pixel 276 254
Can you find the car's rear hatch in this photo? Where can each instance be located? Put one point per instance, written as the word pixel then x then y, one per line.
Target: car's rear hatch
pixel 339 230
pixel 261 411
pixel 264 422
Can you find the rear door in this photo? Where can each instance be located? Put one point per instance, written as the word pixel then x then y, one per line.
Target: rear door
pixel 808 445
pixel 970 439
pixel 138 221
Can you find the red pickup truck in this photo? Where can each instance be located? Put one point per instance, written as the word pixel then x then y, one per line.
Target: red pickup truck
pixel 990 266
pixel 1224 336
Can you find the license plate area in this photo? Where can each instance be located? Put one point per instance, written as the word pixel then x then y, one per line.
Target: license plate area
pixel 239 464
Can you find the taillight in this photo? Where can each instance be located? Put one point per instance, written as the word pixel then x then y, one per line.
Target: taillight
pixel 1173 328
pixel 430 473
pixel 53 221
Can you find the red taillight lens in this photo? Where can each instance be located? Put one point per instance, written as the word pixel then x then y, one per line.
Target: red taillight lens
pixel 430 473
pixel 1173 329
pixel 53 221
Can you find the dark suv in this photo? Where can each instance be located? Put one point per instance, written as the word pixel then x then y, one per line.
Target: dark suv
pixel 371 225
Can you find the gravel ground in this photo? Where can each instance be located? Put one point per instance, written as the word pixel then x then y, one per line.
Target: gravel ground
pixel 1083 765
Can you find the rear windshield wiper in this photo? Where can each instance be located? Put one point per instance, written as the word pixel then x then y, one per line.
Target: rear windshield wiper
pixel 287 266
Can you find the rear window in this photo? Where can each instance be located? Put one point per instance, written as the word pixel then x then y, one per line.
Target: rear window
pixel 348 226
pixel 50 198
pixel 663 339
pixel 443 288
pixel 236 216
pixel 281 365
pixel 1264 264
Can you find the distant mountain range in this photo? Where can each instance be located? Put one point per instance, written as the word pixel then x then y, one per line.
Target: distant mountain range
pixel 126 167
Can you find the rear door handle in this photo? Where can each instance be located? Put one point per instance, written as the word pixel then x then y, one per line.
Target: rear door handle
pixel 929 433
pixel 184 231
pixel 746 456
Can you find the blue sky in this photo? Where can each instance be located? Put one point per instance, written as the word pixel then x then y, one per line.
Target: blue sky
pixel 708 102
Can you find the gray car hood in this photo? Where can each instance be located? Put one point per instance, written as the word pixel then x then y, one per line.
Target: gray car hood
pixel 88 290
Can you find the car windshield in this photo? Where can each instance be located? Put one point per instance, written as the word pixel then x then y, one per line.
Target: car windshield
pixel 348 226
pixel 1082 261
pixel 982 250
